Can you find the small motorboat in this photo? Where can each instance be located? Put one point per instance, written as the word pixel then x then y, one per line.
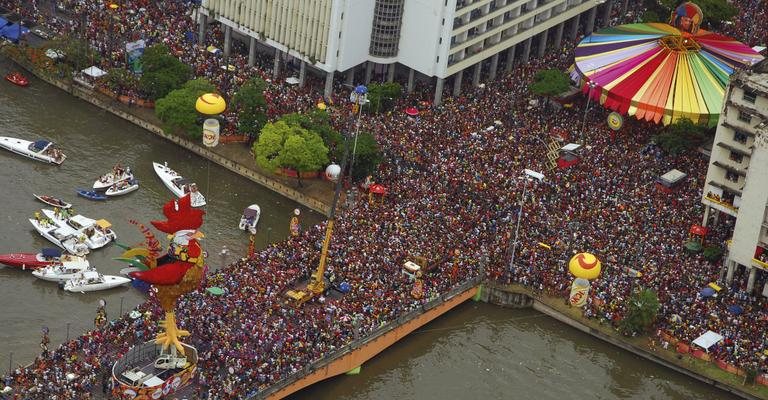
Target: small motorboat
pixel 250 218
pixel 31 261
pixel 52 201
pixel 91 281
pixel 118 174
pixel 63 272
pixel 178 185
pixel 95 234
pixel 122 187
pixel 91 194
pixel 41 150
pixel 17 78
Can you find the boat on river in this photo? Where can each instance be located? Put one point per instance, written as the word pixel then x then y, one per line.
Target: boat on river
pixel 91 194
pixel 40 150
pixel 60 234
pixel 122 187
pixel 52 201
pixel 91 281
pixel 178 185
pixel 250 218
pixel 32 261
pixel 94 233
pixel 64 271
pixel 18 79
pixel 118 174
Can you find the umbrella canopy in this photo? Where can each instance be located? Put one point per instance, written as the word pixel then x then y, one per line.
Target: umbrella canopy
pixel 215 290
pixel 94 72
pixel 658 73
pixel 735 309
pixel 378 189
pixel 412 111
pixel 707 292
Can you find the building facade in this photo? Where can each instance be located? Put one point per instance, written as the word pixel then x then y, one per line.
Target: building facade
pixel 441 39
pixel 737 177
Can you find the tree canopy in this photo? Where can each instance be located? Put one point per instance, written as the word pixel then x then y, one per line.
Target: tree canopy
pixel 251 107
pixel 550 82
pixel 284 145
pixel 681 136
pixel 177 109
pixel 381 94
pixel 162 72
pixel 76 51
pixel 642 308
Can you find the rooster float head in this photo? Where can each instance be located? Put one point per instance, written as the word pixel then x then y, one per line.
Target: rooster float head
pixel 180 216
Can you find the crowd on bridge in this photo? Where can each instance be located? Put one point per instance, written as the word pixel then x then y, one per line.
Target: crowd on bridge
pixel 456 188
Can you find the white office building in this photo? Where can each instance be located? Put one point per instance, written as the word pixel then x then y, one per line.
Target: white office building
pixel 440 39
pixel 737 177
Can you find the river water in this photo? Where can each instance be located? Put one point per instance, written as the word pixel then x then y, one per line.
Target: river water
pixel 475 351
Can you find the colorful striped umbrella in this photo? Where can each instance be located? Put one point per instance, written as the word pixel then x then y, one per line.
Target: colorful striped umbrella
pixel 658 73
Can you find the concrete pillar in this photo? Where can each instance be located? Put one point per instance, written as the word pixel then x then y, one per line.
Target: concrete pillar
pixel 624 6
pixel 276 65
pixel 457 78
pixel 350 76
pixel 510 59
pixel 368 72
pixel 705 220
pixel 252 52
pixel 558 36
pixel 729 275
pixel 203 24
pixel 751 280
pixel 439 91
pixel 526 50
pixel 715 218
pixel 328 84
pixel 575 27
pixel 543 43
pixel 227 40
pixel 391 72
pixel 494 67
pixel 607 8
pixel 590 26
pixel 476 74
pixel 410 80
pixel 302 73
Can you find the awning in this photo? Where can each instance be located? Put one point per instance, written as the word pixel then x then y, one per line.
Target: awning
pixel 734 149
pixel 707 340
pixel 94 71
pixel 672 177
pixel 571 147
pixel 103 224
pixel 730 168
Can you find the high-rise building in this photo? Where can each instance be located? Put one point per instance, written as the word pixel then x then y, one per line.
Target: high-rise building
pixel 737 178
pixel 436 38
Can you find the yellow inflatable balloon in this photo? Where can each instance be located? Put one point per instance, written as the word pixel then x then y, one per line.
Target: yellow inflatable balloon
pixel 210 104
pixel 585 266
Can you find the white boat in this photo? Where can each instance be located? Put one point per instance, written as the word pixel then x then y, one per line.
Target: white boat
pixel 250 218
pixel 41 150
pixel 92 280
pixel 60 234
pixel 63 272
pixel 123 187
pixel 178 185
pixel 118 174
pixel 95 234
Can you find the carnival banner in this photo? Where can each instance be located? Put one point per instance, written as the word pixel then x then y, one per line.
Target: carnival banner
pixel 133 53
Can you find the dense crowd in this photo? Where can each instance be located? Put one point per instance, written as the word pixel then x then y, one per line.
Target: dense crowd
pixel 456 188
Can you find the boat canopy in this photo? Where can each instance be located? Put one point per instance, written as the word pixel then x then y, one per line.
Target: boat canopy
pixel 49 252
pixel 40 145
pixel 90 274
pixel 103 224
pixel 251 212
pixel 82 221
pixel 64 231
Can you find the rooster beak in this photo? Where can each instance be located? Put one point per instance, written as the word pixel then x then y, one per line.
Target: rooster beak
pixel 197 235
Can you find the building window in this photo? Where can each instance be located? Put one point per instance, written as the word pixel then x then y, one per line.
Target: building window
pixel 385 32
pixel 749 96
pixel 744 117
pixel 731 176
pixel 736 157
pixel 740 137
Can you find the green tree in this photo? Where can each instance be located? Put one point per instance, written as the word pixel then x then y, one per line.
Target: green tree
pixel 282 145
pixel 642 308
pixel 251 107
pixel 177 109
pixel 367 156
pixel 550 82
pixel 681 136
pixel 76 51
pixel 119 79
pixel 162 72
pixel 318 121
pixel 651 16
pixel 380 94
pixel 713 253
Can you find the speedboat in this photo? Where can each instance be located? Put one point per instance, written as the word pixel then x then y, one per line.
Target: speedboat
pixel 52 201
pixel 60 234
pixel 31 261
pixel 178 185
pixel 123 187
pixel 91 194
pixel 41 150
pixel 63 272
pixel 95 234
pixel 92 280
pixel 17 79
pixel 118 174
pixel 250 218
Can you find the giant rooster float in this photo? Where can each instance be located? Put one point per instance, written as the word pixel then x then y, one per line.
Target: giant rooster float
pixel 178 271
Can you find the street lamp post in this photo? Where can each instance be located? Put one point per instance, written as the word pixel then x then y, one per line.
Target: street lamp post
pixel 592 85
pixel 532 174
pixel 359 97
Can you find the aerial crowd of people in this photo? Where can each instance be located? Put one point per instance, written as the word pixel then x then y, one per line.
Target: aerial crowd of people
pixel 455 183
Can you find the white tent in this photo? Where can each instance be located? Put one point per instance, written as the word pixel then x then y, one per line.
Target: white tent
pixel 94 71
pixel 54 54
pixel 292 80
pixel 707 340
